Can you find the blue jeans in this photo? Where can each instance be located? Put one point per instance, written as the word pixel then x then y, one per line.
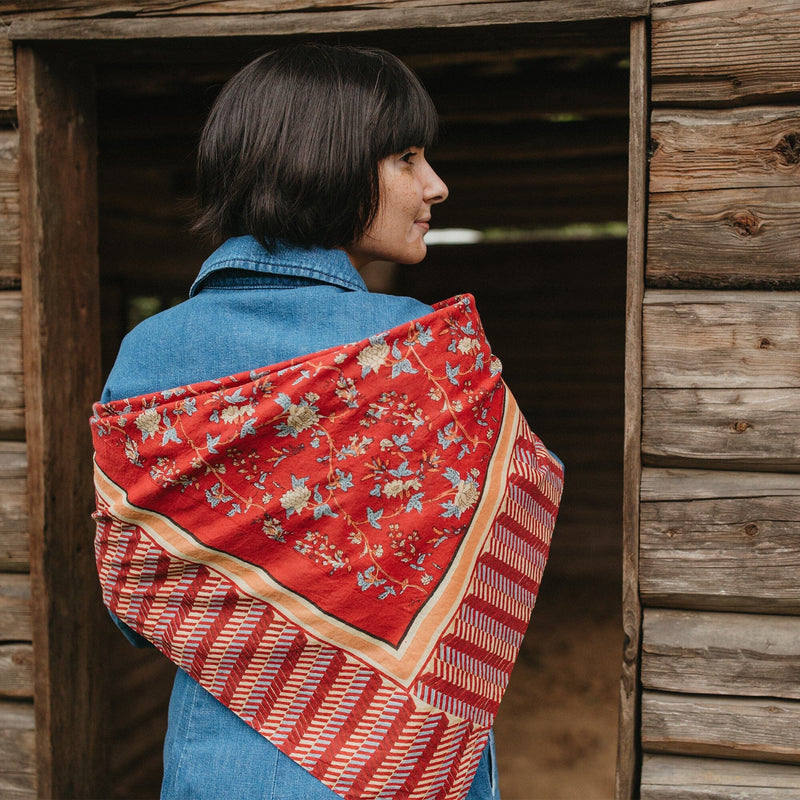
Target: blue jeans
pixel 210 754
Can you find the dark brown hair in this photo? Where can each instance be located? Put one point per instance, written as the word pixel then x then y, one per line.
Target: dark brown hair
pixel 291 147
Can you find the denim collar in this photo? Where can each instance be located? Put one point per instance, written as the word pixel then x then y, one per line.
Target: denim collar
pixel 244 252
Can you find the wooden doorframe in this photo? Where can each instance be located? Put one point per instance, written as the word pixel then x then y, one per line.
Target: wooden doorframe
pixel 61 335
pixel 61 359
pixel 629 749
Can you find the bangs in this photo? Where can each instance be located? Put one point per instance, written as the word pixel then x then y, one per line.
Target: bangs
pixel 407 117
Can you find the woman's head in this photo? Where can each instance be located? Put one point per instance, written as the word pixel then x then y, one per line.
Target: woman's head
pixel 292 146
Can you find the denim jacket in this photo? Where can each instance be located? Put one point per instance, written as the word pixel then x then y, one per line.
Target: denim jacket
pixel 249 308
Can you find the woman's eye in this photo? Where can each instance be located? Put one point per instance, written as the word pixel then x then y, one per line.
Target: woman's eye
pixel 408 156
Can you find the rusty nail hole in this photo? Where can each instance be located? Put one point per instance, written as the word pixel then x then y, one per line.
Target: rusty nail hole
pixel 764 344
pixel 740 426
pixel 751 529
pixel 788 149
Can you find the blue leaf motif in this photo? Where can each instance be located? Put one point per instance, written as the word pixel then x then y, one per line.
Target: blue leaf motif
pixel 402 471
pixel 374 516
pixel 402 366
pixel 452 476
pixel 236 397
pixel 284 401
pixel 248 428
pixel 211 443
pixel 170 435
pixel 324 510
pixel 414 503
pixel 452 371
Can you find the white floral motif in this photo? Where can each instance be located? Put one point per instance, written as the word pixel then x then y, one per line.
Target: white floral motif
pixel 301 417
pixel 466 495
pixel 148 422
pixel 233 413
pixel 468 344
pixel 296 499
pixel 373 357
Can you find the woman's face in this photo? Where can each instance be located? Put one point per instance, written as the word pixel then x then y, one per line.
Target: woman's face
pixel 408 189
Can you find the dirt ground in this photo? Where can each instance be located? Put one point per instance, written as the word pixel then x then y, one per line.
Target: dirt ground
pixel 556 731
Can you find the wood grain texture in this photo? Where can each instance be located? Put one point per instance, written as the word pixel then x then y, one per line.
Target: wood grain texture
pixel 721 339
pixel 667 777
pixel 9 204
pixel 700 484
pixel 628 753
pixel 14 547
pixel 750 655
pixel 12 413
pixel 726 52
pixel 725 238
pixel 735 553
pixel 17 752
pixel 8 81
pixel 15 608
pixel 62 378
pixel 16 671
pixel 724 149
pixel 727 428
pixel 252 21
pixel 752 729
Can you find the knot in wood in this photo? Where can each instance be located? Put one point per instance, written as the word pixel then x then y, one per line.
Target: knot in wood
pixel 671 533
pixel 740 426
pixel 745 223
pixel 751 529
pixel 764 344
pixel 788 149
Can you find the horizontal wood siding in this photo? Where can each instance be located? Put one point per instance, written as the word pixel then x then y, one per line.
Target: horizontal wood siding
pixel 755 655
pixel 729 543
pixel 722 339
pixel 725 52
pixel 752 729
pixel 17 733
pixel 667 777
pixel 249 18
pixel 719 557
pixel 17 745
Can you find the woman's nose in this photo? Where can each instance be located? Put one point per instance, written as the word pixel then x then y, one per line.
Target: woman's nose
pixel 436 189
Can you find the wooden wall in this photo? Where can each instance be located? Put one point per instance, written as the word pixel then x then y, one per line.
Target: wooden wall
pixel 17 746
pixel 719 551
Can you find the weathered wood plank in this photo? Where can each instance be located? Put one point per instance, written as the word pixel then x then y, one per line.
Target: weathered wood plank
pixel 685 778
pixel 62 377
pixel 392 14
pixel 751 655
pixel 699 484
pixel 727 52
pixel 12 421
pixel 739 554
pixel 725 238
pixel 16 671
pixel 9 203
pixel 745 429
pixel 14 556
pixel 15 608
pixel 8 81
pixel 729 727
pixel 721 339
pixel 627 778
pixel 17 751
pixel 723 149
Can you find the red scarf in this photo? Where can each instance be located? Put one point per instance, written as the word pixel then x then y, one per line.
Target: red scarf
pixel 344 548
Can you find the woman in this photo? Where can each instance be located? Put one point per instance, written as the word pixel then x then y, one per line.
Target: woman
pixel 275 594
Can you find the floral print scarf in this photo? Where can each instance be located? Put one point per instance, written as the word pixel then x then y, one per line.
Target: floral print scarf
pixel 344 548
